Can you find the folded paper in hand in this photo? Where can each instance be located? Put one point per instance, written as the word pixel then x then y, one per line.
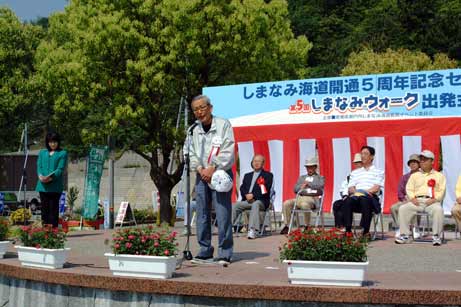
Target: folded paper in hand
pixel 359 193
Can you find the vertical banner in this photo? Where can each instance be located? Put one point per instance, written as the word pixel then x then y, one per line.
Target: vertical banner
pixel 62 204
pixel 180 204
pixel 95 164
pixel 2 202
pixel 106 214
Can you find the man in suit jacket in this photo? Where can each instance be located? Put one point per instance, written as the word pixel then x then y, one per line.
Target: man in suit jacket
pixel 255 191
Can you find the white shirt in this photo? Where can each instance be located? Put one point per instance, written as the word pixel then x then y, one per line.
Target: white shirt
pixel 364 179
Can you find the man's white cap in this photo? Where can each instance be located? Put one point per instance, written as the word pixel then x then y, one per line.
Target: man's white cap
pixel 357 157
pixel 311 161
pixel 428 154
pixel 221 181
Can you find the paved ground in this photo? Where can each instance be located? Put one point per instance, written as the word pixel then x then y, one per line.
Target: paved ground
pixel 392 266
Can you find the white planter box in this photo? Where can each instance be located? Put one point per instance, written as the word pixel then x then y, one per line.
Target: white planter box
pixel 326 273
pixel 42 257
pixel 142 266
pixel 4 247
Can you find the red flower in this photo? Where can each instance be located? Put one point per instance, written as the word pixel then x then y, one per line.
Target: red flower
pixel 128 245
pixel 260 181
pixel 117 245
pixel 156 244
pixel 431 183
pixel 131 237
pixel 37 245
pixel 166 252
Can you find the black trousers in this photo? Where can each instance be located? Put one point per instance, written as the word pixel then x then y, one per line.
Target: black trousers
pixel 50 208
pixel 338 213
pixel 364 205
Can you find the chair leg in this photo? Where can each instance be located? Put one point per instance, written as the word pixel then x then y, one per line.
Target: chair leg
pixel 292 219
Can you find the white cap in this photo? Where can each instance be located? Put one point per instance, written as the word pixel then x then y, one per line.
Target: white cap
pixel 311 161
pixel 221 181
pixel 428 154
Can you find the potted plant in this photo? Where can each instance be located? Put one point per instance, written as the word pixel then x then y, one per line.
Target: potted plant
pixel 4 229
pixel 325 257
pixel 42 247
pixel 143 252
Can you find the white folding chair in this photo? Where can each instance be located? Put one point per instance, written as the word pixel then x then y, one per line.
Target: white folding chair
pixel 318 211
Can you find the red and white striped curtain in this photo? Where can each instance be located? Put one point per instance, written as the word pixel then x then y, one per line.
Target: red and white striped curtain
pixel 287 146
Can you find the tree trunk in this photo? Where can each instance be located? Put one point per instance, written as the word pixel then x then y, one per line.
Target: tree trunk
pixel 165 205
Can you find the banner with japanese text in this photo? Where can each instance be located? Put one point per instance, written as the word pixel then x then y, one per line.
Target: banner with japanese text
pixel 369 97
pixel 398 114
pixel 95 165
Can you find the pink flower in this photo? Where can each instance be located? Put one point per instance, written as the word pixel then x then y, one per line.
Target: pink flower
pixel 117 245
pixel 156 244
pixel 37 245
pixel 166 252
pixel 131 237
pixel 128 245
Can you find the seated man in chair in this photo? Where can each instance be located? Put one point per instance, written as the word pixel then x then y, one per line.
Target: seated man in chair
pixel 344 193
pixel 255 191
pixel 309 186
pixel 364 187
pixel 425 191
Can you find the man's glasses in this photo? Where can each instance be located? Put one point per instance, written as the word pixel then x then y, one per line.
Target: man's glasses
pixel 200 108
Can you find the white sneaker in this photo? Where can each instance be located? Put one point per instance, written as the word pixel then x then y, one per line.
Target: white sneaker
pixel 402 240
pixel 397 233
pixel 436 241
pixel 251 234
pixel 416 233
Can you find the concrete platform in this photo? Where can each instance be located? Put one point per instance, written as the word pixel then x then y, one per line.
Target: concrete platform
pixel 415 274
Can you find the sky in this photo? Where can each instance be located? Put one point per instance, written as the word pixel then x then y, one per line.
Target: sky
pixel 28 10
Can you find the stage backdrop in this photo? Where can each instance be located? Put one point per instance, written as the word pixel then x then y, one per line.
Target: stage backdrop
pixel 398 114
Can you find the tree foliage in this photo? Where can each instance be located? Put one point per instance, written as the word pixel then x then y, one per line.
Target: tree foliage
pixel 338 28
pixel 369 62
pixel 120 68
pixel 18 43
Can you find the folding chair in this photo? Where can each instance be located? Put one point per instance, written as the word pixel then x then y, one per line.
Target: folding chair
pixel 265 216
pixel 424 224
pixel 318 211
pixel 457 234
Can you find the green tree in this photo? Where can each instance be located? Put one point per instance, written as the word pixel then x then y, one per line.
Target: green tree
pixel 391 61
pixel 338 28
pixel 18 43
pixel 120 68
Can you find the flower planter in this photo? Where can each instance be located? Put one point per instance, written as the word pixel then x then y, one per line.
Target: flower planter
pixel 323 273
pixel 142 266
pixel 42 257
pixel 74 224
pixel 3 247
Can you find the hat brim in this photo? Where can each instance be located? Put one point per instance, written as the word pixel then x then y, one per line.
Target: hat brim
pixel 423 156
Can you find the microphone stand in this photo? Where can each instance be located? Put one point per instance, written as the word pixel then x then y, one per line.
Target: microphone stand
pixel 187 253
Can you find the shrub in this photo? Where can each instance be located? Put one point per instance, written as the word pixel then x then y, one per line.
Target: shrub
pixel 42 237
pixel 145 240
pixel 323 245
pixel 20 216
pixel 4 229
